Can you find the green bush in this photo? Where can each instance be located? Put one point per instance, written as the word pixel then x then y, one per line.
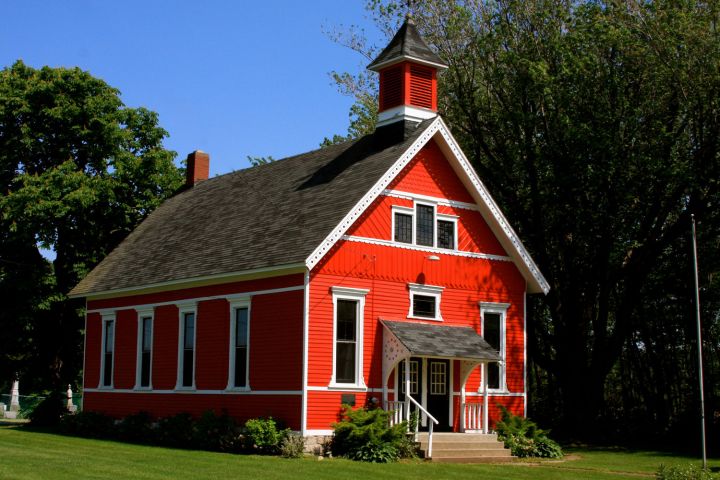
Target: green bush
pixel 138 428
pixel 365 435
pixel 218 433
pixel 176 431
pixel 263 435
pixel 46 413
pixel 88 424
pixel 683 472
pixel 293 446
pixel 523 437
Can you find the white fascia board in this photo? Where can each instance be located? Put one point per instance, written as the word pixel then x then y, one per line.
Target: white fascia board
pixel 369 197
pixel 536 282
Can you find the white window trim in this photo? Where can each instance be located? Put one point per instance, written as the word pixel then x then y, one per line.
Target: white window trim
pixel 106 317
pixel 426 290
pixel 412 211
pixel 501 309
pixel 447 218
pixel 434 237
pixel 142 314
pixel 234 306
pixel 405 211
pixel 353 294
pixel 182 310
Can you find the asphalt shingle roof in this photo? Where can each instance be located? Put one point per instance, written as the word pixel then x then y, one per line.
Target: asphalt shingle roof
pixel 442 341
pixel 265 216
pixel 407 42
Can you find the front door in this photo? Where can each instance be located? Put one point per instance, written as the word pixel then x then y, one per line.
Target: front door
pixel 432 381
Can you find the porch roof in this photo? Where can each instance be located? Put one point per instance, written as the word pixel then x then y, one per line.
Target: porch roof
pixel 442 341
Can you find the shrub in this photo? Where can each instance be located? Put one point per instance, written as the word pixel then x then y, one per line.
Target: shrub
pixel 218 433
pixel 176 431
pixel 365 435
pixel 88 424
pixel 48 412
pixel 684 472
pixel 292 446
pixel 523 437
pixel 137 428
pixel 263 435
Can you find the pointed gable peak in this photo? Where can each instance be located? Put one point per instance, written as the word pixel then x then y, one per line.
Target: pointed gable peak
pixel 407 44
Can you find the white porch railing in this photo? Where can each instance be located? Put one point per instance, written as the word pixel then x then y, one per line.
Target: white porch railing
pixel 398 414
pixel 471 419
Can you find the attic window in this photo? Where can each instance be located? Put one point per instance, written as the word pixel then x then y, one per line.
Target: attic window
pixel 423 226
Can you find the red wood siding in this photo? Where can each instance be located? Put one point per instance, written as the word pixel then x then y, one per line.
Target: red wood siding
pixel 386 272
pixel 285 408
pixel 276 326
pixel 430 174
pixel 93 335
pixel 199 292
pixel 276 340
pixel 165 347
pixel 212 344
pixel 125 349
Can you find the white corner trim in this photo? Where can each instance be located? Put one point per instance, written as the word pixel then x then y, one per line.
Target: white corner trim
pixel 371 195
pixel 305 355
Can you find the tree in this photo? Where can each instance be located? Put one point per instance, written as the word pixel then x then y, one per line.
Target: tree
pixel 595 125
pixel 78 171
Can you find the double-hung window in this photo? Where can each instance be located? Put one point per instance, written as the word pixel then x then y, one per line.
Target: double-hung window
pixel 493 331
pixel 423 226
pixel 349 305
pixel 239 345
pixel 144 348
pixel 186 348
pixel 108 349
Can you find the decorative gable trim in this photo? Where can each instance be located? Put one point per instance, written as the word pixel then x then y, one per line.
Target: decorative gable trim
pixel 496 220
pixel 371 195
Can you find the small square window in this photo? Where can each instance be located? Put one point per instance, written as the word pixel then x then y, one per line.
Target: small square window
pixel 403 227
pixel 446 234
pixel 424 306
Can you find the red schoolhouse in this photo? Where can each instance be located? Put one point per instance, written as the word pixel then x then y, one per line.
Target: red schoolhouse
pixel 350 274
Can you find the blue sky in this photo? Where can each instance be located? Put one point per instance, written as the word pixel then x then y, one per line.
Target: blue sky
pixel 231 78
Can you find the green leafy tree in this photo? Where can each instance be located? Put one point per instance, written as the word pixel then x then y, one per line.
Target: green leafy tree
pixel 78 170
pixel 595 124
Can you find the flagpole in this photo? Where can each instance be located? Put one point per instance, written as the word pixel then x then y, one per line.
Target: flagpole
pixel 699 341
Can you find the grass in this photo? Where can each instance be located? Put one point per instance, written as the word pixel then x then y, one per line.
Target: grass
pixel 28 454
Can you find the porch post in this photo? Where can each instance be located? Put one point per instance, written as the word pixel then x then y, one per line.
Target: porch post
pixel 407 389
pixel 486 423
pixel 462 406
pixel 385 397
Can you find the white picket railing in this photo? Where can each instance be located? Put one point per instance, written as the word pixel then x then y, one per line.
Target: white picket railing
pixel 472 417
pixel 398 415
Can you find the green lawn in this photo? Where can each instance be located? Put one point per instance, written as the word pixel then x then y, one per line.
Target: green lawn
pixel 25 454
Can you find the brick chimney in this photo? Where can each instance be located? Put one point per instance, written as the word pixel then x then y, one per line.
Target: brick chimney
pixel 198 168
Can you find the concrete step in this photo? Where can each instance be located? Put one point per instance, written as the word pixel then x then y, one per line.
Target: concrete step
pixel 473 460
pixel 463 445
pixel 470 453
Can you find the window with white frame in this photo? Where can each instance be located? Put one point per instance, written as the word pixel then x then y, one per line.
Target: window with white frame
pixel 186 348
pixel 423 226
pixel 144 349
pixel 239 345
pixel 348 307
pixel 108 349
pixel 425 301
pixel 493 331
